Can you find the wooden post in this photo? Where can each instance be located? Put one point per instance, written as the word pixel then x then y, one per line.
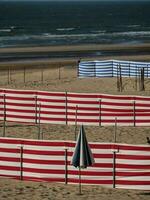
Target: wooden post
pixel 66 166
pixel 120 79
pixel 118 84
pixel 78 63
pixel 76 121
pixel 21 162
pixel 136 79
pixel 129 69
pixel 142 78
pixel 4 116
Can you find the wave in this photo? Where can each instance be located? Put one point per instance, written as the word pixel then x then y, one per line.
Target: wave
pixel 132 33
pixel 134 26
pixel 82 35
pixel 99 36
pixel 65 29
pixel 96 34
pixel 5 30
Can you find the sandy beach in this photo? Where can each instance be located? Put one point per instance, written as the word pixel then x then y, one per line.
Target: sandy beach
pixel 61 75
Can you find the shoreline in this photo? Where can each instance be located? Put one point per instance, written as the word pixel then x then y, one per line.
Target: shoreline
pixel 81 47
pixel 70 54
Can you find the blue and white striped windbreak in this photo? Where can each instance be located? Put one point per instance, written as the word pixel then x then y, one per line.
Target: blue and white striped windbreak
pixel 82 156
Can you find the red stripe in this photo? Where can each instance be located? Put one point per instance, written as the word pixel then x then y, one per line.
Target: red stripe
pixel 117 97
pixel 20 104
pixel 10 150
pixel 142 98
pixel 79 95
pixel 33 142
pixel 124 182
pixel 97 173
pixel 57 94
pixel 33 161
pixel 10 159
pixel 48 162
pixel 52 100
pixel 132 166
pixel 40 152
pixel 43 171
pixel 10 176
pixel 20 98
pixel 33 111
pixel 10 168
pixel 6 91
pixel 133 157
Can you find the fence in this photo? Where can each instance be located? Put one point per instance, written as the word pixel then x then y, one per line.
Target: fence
pixel 73 108
pixel 111 68
pixel 50 161
pixel 36 73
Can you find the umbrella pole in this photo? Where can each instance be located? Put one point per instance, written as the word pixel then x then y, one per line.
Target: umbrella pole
pixel 80 192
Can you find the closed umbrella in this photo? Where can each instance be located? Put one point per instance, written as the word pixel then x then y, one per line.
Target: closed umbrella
pixel 82 156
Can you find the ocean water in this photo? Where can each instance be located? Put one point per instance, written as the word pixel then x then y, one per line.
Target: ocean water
pixel 59 23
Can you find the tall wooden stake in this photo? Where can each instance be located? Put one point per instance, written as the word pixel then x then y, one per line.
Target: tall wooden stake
pixel 120 79
pixel 142 78
pixel 136 76
pixel 66 166
pixel 129 69
pixel 118 85
pixel 21 162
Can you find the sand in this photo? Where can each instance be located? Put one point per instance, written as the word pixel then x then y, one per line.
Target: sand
pixel 53 78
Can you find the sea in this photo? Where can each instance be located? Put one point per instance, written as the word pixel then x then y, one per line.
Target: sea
pixel 42 23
